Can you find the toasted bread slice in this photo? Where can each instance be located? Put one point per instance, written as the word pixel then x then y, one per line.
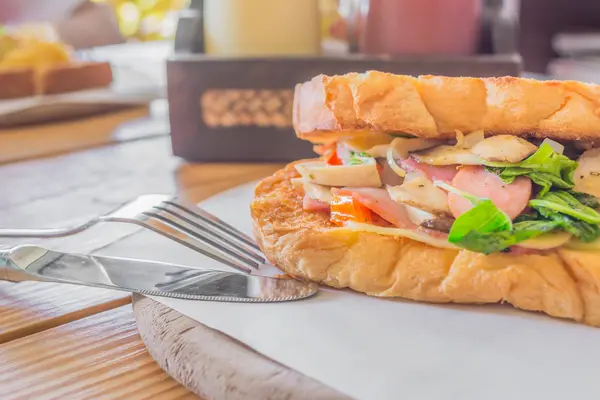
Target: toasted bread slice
pixel 563 283
pixel 63 78
pixel 74 77
pixel 17 83
pixel 329 107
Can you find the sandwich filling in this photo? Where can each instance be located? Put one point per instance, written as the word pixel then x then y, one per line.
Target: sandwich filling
pixel 496 194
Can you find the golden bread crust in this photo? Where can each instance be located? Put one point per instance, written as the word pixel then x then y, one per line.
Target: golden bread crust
pixel 563 283
pixel 329 107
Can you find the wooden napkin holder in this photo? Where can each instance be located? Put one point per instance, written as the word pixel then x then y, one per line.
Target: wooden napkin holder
pixel 224 109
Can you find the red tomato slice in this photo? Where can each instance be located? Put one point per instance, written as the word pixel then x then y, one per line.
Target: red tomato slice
pixel 331 158
pixel 344 207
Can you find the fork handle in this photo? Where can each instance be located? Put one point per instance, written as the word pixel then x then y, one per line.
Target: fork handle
pixel 41 233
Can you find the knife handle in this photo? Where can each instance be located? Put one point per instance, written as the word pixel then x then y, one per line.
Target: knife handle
pixel 10 273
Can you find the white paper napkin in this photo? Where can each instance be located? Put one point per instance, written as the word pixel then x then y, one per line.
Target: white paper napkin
pixel 372 348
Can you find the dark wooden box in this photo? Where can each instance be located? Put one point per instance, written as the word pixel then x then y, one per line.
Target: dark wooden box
pixel 224 109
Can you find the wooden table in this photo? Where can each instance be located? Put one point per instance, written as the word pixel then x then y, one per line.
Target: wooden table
pixel 68 342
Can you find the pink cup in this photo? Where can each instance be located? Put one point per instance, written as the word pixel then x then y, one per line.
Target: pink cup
pixel 421 27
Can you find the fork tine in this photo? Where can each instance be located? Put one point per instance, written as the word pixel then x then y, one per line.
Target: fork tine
pixel 209 231
pixel 204 236
pixel 203 215
pixel 166 229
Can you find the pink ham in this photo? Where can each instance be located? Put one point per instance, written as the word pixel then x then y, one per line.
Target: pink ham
pixel 380 202
pixel 310 204
pixel 523 251
pixel 510 198
pixel 434 173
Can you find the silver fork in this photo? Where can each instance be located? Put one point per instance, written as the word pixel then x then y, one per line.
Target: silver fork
pixel 176 219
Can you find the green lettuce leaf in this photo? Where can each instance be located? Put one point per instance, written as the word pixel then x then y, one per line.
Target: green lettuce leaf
pixel 486 229
pixel 492 242
pixel 545 168
pixel 479 229
pixel 586 199
pixel 565 203
pixel 485 217
pixel 570 213
pixel 357 158
pixel 531 215
pixel 583 230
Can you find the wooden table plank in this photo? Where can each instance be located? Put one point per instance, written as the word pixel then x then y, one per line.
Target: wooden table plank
pixel 73 188
pixel 61 137
pixel 30 307
pixel 99 357
pixel 26 142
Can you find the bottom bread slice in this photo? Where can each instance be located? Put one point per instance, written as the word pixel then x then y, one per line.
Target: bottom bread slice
pixel 563 283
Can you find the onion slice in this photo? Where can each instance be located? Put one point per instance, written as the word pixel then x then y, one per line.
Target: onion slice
pixel 557 147
pixel 470 140
pixel 389 155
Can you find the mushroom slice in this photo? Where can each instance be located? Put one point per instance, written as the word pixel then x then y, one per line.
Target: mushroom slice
pixel 504 148
pixel 428 220
pixel 447 155
pixel 359 175
pixel 587 174
pixel 419 192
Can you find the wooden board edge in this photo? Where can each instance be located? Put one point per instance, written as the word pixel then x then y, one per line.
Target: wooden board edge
pixel 214 365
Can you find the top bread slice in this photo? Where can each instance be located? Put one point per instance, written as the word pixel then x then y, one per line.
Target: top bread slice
pixel 329 107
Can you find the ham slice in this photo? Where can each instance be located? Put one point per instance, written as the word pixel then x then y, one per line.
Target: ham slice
pixel 310 204
pixel 510 198
pixel 380 202
pixel 523 251
pixel 443 173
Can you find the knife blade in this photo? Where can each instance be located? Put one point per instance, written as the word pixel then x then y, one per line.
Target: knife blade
pixel 33 263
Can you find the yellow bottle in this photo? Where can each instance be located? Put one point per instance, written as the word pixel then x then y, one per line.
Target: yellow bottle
pixel 262 27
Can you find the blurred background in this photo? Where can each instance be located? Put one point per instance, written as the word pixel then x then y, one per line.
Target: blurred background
pixel 213 66
pixel 541 30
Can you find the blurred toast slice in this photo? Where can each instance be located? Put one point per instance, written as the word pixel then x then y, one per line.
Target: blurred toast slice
pixel 17 83
pixel 56 79
pixel 31 67
pixel 74 77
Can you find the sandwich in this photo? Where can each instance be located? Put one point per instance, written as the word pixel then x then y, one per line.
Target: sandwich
pixel 444 190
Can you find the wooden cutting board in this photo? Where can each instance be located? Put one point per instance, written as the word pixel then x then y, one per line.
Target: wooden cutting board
pixel 215 366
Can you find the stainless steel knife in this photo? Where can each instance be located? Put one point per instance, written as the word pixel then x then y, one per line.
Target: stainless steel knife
pixel 32 263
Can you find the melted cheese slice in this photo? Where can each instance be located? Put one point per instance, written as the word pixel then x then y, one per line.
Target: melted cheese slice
pixel 577 244
pixel 546 241
pixel 397 232
pixel 360 175
pixel 543 242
